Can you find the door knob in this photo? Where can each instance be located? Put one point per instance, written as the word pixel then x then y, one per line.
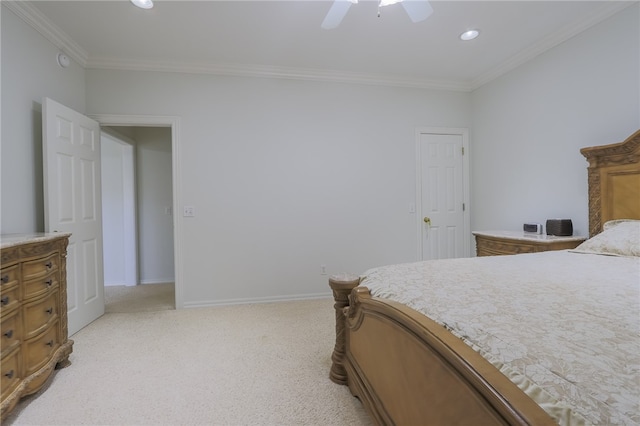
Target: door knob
pixel 427 220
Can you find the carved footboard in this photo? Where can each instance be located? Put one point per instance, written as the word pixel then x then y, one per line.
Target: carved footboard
pixel 407 369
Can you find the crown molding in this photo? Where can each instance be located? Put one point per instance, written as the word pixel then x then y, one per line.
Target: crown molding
pixel 32 16
pixel 553 40
pixel 260 71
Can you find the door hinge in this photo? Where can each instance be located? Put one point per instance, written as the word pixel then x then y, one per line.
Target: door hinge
pixel 463 207
pixel 463 150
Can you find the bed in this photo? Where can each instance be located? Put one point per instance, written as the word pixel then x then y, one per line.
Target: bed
pixel 415 357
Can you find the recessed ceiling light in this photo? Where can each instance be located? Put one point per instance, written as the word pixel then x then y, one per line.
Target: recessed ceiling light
pixel 143 4
pixel 469 35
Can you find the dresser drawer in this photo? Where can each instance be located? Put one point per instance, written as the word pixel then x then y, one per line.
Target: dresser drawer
pixel 9 298
pixel 10 331
pixel 39 314
pixel 10 370
pixel 40 268
pixel 9 276
pixel 39 349
pixel 492 247
pixel 9 288
pixel 40 286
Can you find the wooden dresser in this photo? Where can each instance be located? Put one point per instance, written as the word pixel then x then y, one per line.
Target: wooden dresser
pixel 495 243
pixel 33 313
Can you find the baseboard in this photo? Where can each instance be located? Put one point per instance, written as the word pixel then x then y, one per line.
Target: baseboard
pixel 270 299
pixel 163 281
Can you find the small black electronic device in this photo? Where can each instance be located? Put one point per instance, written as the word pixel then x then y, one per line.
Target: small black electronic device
pixel 532 227
pixel 559 227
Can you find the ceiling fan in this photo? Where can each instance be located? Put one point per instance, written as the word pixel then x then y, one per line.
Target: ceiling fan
pixel 418 10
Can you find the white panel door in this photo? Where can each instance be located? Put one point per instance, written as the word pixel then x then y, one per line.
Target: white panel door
pixel 441 200
pixel 73 203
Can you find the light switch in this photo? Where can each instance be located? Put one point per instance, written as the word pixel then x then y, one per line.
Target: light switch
pixel 189 211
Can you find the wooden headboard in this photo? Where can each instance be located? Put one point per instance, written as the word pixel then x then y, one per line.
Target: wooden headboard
pixel 614 182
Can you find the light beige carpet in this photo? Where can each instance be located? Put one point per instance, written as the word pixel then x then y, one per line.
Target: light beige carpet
pixel 139 298
pixel 258 364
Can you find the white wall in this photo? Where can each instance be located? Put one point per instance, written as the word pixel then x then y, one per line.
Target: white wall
pixel 529 125
pixel 285 175
pixel 154 196
pixel 29 73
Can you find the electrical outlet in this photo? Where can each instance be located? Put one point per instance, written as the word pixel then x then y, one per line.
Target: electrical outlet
pixel 323 269
pixel 189 211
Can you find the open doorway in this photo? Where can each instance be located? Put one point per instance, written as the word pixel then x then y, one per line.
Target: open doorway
pixel 138 218
pixel 172 123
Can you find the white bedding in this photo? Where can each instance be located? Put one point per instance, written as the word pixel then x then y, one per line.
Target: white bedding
pixel 565 322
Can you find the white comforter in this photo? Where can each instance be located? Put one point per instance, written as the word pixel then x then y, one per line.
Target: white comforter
pixel 563 326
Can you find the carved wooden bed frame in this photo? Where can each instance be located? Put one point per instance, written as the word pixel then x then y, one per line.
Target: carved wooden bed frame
pixel 407 369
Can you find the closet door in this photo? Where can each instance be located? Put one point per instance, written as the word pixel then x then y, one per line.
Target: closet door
pixel 441 195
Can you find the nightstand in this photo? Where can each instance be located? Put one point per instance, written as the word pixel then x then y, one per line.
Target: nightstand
pixel 496 243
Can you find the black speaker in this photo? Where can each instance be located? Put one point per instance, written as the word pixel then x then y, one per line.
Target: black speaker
pixel 559 227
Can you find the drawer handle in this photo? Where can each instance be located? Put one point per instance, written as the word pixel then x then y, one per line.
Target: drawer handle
pixel 8 334
pixel 9 374
pixel 49 265
pixel 49 343
pixel 5 300
pixel 49 311
pixel 49 283
pixel 5 278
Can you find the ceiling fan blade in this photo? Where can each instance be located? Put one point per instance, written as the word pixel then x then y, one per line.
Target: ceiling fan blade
pixel 418 10
pixel 338 10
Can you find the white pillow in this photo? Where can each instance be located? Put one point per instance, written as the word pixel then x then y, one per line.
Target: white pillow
pixel 618 238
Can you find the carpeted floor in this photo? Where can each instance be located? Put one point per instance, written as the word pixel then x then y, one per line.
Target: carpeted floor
pixel 255 364
pixel 139 298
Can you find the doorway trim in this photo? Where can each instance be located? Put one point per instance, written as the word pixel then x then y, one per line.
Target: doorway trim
pixel 464 133
pixel 174 123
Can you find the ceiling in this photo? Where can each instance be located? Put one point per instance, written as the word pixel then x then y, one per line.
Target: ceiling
pixel 284 38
